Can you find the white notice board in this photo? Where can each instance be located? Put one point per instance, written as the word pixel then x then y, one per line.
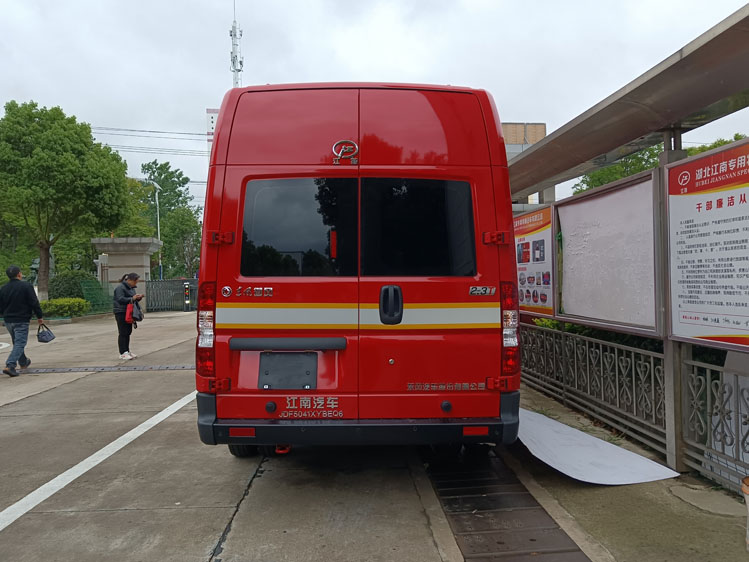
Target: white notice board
pixel 608 256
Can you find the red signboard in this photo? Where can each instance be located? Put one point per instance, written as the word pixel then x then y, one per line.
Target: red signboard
pixel 709 247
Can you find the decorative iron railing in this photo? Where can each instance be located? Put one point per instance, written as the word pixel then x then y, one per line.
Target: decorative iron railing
pixel 716 423
pixel 622 386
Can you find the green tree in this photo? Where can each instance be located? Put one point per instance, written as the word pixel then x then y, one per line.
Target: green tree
pixel 180 224
pixel 76 252
pixel 136 222
pixel 645 159
pixel 55 178
pixel 720 142
pixel 174 192
pixel 16 246
pixel 181 231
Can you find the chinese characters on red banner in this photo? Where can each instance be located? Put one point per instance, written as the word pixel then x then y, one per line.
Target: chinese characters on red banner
pixel 709 246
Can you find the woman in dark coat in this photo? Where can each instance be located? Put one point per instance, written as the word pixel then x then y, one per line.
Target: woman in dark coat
pixel 125 294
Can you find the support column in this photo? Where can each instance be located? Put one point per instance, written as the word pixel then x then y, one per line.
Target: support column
pixel 674 354
pixel 548 195
pixel 125 255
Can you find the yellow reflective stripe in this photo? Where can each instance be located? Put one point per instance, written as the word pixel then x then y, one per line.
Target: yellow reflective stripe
pixel 287 326
pixel 286 305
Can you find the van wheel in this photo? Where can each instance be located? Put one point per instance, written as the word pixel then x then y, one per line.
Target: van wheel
pixel 243 451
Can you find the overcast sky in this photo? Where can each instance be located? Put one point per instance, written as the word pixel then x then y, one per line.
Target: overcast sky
pixel 157 65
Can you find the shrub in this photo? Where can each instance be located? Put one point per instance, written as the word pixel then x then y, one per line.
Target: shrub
pixel 630 340
pixel 65 307
pixel 67 285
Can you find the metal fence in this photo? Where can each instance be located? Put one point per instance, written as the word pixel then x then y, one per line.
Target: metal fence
pixel 716 423
pixel 160 295
pixel 625 388
pixel 619 385
pixel 99 297
pixel 170 295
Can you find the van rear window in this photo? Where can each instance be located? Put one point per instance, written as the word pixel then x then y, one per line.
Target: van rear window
pixel 300 227
pixel 417 227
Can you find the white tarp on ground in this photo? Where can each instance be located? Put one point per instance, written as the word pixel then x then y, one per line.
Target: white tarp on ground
pixel 583 456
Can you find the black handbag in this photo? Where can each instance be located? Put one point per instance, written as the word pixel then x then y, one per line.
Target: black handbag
pixel 137 312
pixel 44 334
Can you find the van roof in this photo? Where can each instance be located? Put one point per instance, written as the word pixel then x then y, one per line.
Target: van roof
pixel 352 85
pixel 230 104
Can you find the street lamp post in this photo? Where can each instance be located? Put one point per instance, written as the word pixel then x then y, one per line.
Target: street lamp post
pixel 158 222
pixel 158 227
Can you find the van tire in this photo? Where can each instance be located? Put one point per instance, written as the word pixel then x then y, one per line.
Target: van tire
pixel 242 451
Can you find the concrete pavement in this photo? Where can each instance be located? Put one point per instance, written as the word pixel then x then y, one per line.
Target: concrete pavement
pixel 687 519
pixel 168 497
pixel 165 495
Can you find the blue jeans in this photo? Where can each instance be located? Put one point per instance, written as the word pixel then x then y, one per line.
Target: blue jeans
pixel 19 333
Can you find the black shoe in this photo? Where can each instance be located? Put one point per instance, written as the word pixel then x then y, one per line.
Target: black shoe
pixel 11 371
pixel 26 366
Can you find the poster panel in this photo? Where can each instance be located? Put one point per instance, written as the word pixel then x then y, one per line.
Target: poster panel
pixel 608 256
pixel 708 212
pixel 534 261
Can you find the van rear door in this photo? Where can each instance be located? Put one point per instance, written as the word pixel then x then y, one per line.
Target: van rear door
pixel 430 321
pixel 287 303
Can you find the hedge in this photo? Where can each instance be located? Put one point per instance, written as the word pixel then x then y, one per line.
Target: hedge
pixel 65 307
pixel 67 285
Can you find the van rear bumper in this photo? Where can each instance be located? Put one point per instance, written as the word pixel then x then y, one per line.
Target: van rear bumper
pixel 504 430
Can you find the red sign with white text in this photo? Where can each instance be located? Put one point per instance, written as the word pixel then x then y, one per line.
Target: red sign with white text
pixel 709 246
pixel 534 261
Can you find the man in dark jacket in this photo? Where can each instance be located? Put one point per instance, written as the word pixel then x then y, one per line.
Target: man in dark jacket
pixel 17 302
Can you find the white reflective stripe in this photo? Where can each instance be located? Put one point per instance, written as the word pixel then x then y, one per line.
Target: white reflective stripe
pixel 296 316
pixel 438 316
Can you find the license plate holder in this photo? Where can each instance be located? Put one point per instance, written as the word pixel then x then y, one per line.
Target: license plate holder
pixel 287 371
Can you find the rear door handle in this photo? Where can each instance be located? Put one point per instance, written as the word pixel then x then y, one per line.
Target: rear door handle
pixel 391 304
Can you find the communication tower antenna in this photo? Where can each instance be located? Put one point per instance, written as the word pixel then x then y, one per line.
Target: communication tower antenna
pixel 237 61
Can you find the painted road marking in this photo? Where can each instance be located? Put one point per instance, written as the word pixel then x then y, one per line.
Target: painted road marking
pixel 3 345
pixel 26 504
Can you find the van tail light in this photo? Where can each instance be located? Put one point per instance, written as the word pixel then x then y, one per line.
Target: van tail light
pixel 205 362
pixel 205 356
pixel 510 372
pixel 206 314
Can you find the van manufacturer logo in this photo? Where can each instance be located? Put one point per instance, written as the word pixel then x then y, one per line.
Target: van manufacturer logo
pixel 241 290
pixel 344 149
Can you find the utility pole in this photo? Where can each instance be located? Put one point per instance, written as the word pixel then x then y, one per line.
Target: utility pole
pixel 237 62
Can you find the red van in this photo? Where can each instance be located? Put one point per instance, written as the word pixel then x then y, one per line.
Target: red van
pixel 357 272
